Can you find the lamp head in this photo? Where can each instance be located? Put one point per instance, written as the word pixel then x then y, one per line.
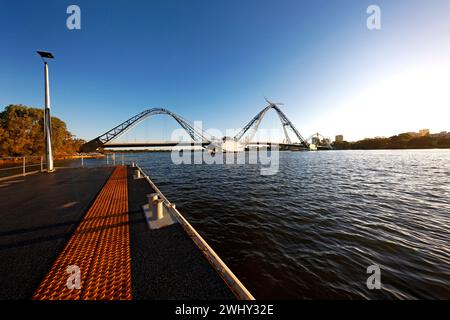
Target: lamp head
pixel 45 54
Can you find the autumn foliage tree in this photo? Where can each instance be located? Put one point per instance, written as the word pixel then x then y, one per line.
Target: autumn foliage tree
pixel 22 133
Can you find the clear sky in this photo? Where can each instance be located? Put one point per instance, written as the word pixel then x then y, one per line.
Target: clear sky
pixel 215 60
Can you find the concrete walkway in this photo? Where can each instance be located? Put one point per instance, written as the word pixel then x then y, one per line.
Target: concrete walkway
pixel 96 259
pixel 42 214
pixel 165 263
pixel 38 214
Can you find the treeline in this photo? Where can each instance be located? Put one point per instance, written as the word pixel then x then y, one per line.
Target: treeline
pixel 22 133
pixel 401 141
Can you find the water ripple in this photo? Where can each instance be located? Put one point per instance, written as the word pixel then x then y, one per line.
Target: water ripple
pixel 312 230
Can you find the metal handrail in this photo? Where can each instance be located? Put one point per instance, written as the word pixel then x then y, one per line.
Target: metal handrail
pixel 24 165
pixel 20 167
pixel 12 163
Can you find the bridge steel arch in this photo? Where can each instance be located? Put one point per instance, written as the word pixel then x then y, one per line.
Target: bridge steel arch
pixel 253 126
pixel 198 136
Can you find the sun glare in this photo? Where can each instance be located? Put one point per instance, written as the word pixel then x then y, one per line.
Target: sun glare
pixel 414 99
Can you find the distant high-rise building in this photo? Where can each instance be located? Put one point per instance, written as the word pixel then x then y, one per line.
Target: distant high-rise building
pixel 339 138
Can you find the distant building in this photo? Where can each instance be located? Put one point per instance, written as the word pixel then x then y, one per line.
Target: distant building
pixel 424 132
pixel 339 138
pixel 442 134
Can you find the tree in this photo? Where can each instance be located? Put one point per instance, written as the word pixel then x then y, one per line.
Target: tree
pixel 22 133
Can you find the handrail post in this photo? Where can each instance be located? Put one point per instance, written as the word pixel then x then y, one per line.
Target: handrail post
pixel 23 171
pixel 82 160
pixel 42 163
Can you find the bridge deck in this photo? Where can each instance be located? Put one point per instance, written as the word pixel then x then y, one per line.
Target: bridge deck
pixel 93 219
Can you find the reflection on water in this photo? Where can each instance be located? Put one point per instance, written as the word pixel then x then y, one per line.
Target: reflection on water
pixel 312 230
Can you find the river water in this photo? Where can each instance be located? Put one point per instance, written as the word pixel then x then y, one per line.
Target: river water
pixel 312 230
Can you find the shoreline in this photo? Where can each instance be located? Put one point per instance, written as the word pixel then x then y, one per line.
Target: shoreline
pixel 4 162
pixel 375 149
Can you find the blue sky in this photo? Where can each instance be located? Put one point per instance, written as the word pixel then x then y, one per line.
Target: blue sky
pixel 216 60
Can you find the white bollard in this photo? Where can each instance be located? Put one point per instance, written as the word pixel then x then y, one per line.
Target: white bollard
pixel 152 198
pixel 158 207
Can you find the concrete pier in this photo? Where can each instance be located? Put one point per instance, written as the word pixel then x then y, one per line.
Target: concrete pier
pixel 45 217
pixel 38 215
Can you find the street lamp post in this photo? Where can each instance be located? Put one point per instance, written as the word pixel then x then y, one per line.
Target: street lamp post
pixel 47 118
